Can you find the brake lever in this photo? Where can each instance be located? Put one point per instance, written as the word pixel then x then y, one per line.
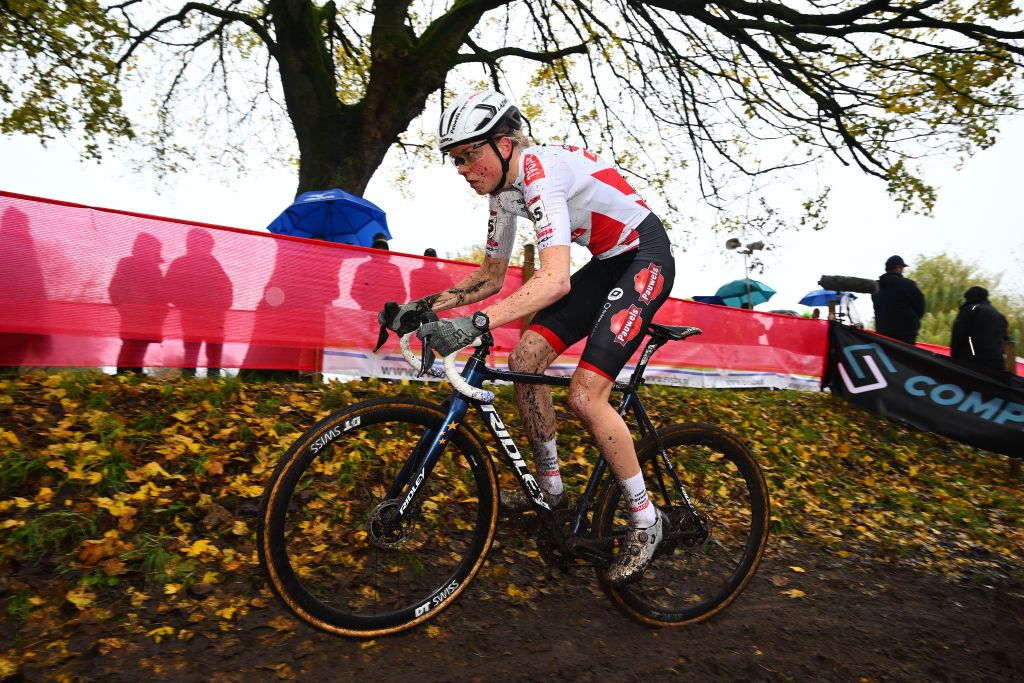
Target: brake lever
pixel 382 337
pixel 428 356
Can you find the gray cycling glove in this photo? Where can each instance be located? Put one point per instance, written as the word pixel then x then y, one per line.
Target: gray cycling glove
pixel 403 318
pixel 447 336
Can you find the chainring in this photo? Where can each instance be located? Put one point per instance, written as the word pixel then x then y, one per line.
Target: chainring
pixel 550 536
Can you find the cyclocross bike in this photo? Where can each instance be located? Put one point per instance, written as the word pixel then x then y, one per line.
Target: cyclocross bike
pixel 379 516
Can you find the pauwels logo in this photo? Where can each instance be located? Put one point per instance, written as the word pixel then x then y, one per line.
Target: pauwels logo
pixel 865 354
pixel 532 170
pixel 624 324
pixel 648 282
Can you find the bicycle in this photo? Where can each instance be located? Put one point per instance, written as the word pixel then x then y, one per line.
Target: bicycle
pixel 379 516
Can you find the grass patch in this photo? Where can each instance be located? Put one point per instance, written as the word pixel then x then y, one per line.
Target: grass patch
pixel 52 533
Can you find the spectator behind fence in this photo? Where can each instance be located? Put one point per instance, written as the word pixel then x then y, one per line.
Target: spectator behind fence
pixel 139 292
pixel 979 333
pixel 297 297
pixel 21 281
pixel 377 280
pixel 202 292
pixel 430 277
pixel 899 304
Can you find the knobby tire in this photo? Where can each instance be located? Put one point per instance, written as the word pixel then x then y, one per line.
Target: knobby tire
pixel 686 584
pixel 313 533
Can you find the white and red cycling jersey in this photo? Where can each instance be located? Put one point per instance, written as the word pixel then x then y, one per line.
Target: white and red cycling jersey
pixel 571 195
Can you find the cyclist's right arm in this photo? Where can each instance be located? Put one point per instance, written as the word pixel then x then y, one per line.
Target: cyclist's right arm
pixel 483 282
pixel 486 280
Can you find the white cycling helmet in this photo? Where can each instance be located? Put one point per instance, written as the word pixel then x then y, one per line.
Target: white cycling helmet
pixel 477 116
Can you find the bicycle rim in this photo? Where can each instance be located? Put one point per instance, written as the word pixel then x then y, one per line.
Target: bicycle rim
pixel 696 574
pixel 320 541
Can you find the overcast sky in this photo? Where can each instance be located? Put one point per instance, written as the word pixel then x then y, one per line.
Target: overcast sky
pixel 977 217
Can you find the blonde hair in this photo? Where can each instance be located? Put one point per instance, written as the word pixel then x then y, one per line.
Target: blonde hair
pixel 520 138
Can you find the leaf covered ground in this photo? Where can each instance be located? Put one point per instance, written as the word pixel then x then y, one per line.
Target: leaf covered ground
pixel 127 506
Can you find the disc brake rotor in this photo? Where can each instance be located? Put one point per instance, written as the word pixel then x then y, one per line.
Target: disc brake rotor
pixel 382 518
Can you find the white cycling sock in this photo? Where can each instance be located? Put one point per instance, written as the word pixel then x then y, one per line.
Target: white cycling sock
pixel 642 513
pixel 545 457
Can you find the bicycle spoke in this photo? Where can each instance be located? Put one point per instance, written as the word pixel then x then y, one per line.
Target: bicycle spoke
pixel 336 547
pixel 703 563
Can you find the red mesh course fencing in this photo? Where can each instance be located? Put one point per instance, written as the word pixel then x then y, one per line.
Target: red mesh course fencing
pixel 85 286
pixel 82 286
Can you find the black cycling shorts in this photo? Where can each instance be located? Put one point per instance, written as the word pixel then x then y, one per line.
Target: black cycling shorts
pixel 611 302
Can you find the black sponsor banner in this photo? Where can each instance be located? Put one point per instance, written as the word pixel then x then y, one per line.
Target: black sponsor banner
pixel 926 390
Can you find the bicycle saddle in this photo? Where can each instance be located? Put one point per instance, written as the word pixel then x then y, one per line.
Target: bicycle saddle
pixel 673 332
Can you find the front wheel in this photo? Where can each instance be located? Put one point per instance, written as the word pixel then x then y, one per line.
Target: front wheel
pixel 324 534
pixel 707 559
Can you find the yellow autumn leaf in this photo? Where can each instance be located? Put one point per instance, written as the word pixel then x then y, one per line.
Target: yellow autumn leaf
pixel 12 523
pixel 149 471
pixel 798 570
pixel 160 633
pixel 515 591
pixel 8 667
pixel 79 474
pixel 433 631
pixel 80 597
pixel 794 593
pixel 10 437
pixel 367 645
pixel 172 588
pixel 240 528
pixel 227 613
pixel 282 623
pixel 200 547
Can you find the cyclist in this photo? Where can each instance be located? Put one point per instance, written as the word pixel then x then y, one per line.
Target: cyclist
pixel 570 195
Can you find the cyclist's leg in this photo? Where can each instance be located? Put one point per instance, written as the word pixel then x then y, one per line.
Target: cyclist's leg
pixel 642 285
pixel 534 353
pixel 553 330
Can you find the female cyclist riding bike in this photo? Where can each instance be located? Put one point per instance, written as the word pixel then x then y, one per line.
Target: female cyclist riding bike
pixel 570 195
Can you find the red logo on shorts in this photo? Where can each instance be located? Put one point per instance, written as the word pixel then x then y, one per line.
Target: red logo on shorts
pixel 625 324
pixel 532 169
pixel 648 282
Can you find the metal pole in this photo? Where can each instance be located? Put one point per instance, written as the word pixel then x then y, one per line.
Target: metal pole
pixel 746 279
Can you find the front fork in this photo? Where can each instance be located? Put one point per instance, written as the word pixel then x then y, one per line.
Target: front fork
pixel 417 468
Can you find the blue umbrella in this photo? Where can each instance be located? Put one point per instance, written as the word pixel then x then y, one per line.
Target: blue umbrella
pixel 332 215
pixel 821 297
pixel 712 299
pixel 739 292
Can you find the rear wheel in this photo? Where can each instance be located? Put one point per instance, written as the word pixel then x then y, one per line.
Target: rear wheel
pixel 323 534
pixel 704 562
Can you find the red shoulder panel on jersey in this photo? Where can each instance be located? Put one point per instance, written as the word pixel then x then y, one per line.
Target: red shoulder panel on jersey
pixel 610 176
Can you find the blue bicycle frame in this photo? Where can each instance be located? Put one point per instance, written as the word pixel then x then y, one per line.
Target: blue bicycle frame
pixel 431 445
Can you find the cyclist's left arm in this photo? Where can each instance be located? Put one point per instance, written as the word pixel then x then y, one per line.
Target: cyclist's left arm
pixel 549 284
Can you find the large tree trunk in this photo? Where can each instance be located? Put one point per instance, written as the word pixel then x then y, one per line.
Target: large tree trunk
pixel 342 145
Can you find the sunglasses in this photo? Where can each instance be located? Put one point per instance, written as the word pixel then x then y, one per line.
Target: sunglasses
pixel 469 156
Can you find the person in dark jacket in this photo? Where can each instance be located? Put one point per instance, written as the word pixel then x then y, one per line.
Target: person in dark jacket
pixel 979 332
pixel 202 292
pixel 899 304
pixel 138 292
